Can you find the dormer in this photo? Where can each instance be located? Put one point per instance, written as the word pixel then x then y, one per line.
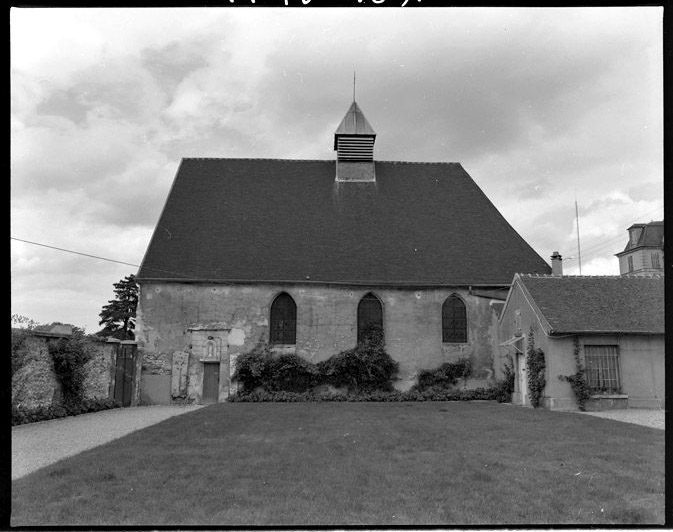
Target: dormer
pixel 634 234
pixel 354 144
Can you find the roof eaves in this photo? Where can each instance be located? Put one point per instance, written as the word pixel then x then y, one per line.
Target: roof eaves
pixel 635 248
pixel 390 284
pixel 602 332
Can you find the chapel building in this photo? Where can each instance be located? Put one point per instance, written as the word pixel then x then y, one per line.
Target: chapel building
pixel 307 255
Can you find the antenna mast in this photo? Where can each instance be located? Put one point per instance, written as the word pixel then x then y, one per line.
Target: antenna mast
pixel 579 253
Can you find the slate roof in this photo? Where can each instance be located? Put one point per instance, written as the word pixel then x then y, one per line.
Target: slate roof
pixel 257 220
pixel 652 235
pixel 610 304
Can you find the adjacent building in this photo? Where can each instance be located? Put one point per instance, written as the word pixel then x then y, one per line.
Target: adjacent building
pixel 644 252
pixel 616 321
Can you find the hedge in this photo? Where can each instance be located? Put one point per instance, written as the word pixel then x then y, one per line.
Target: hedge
pixel 261 396
pixel 21 416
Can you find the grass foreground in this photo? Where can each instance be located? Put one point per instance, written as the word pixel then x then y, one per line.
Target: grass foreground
pixel 340 464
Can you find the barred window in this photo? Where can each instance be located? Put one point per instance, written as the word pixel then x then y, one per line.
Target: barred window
pixel 370 319
pixel 454 320
pixel 602 368
pixel 283 320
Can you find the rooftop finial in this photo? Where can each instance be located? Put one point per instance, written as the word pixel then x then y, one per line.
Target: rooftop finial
pixel 353 84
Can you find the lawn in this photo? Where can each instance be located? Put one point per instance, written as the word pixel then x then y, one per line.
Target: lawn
pixel 433 463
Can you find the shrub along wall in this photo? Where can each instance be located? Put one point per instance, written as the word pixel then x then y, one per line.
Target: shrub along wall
pixel 364 373
pixel 37 389
pixel 366 367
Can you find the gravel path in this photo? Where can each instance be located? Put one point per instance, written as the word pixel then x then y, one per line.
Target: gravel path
pixel 648 418
pixel 37 445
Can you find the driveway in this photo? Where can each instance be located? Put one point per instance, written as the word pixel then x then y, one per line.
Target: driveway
pixel 37 445
pixel 648 418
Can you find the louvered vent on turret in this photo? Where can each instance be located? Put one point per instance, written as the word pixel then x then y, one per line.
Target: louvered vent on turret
pixel 355 148
pixel 354 144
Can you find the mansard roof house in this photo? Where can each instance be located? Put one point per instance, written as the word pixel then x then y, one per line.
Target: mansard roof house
pixel 644 252
pixel 304 254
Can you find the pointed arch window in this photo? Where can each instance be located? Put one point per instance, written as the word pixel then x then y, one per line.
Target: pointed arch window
pixel 454 320
pixel 283 320
pixel 370 318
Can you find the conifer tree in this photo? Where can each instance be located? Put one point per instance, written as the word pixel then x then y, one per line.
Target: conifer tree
pixel 119 315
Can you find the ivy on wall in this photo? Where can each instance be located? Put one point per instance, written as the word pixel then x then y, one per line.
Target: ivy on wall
pixel 505 388
pixel 535 366
pixel 70 355
pixel 578 381
pixel 445 376
pixel 366 367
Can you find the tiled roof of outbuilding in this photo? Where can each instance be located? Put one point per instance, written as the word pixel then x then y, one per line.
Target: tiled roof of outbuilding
pixel 256 220
pixel 611 304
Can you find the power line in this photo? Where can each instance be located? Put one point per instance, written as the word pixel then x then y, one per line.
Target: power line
pixel 614 239
pixel 93 256
pixel 588 252
pixel 75 252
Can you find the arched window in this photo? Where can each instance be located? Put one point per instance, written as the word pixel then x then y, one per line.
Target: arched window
pixel 454 320
pixel 283 320
pixel 370 319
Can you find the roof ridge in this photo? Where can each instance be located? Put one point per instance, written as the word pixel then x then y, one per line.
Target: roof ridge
pixel 418 162
pixel 254 159
pixel 308 160
pixel 616 276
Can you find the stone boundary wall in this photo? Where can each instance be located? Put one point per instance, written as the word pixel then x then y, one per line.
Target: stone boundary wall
pixel 35 384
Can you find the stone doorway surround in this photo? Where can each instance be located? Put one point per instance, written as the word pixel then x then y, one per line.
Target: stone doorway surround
pixel 209 345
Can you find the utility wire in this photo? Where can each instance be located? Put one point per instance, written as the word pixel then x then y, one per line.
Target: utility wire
pixel 93 256
pixel 614 239
pixel 590 252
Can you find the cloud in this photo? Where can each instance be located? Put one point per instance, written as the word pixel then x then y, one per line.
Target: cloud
pixel 541 106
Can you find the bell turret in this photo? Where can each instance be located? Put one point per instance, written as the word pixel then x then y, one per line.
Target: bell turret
pixel 354 144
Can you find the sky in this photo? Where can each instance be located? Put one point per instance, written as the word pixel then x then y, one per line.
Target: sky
pixel 542 107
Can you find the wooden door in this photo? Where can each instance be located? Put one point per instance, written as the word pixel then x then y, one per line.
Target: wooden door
pixel 125 373
pixel 211 382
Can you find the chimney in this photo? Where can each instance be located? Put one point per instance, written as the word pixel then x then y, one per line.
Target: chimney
pixel 354 144
pixel 556 264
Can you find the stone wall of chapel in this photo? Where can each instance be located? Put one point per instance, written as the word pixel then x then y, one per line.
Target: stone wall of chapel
pixel 169 313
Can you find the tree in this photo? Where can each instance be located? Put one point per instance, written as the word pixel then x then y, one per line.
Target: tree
pixel 119 315
pixel 23 322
